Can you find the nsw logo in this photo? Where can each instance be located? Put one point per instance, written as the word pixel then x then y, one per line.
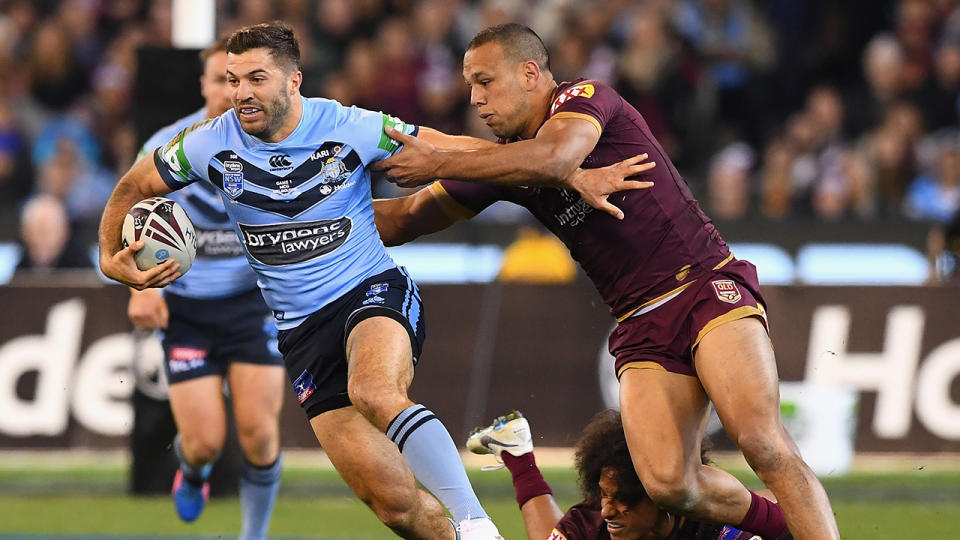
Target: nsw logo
pixel 280 161
pixel 233 184
pixel 304 386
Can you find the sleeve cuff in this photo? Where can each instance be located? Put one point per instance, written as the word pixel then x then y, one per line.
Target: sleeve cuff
pixel 581 116
pixel 450 206
pixel 169 179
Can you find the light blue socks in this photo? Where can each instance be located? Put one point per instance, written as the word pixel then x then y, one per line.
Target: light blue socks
pixel 258 491
pixel 433 458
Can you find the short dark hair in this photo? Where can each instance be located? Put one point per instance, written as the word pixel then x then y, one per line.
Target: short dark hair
pixel 603 445
pixel 517 40
pixel 274 35
pixel 218 46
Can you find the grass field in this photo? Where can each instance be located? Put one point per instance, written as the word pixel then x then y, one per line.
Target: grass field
pixel 88 503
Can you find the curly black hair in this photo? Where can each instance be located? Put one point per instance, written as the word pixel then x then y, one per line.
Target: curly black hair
pixel 603 445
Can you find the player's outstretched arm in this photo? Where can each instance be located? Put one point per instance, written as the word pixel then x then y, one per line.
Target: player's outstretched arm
pixel 443 141
pixel 546 160
pixel 540 516
pixel 116 261
pixel 552 158
pixel 403 219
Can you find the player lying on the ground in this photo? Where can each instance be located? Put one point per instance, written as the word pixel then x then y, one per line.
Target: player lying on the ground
pixel 615 504
pixel 692 326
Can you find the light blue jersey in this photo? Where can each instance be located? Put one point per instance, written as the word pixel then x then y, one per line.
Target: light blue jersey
pixel 302 207
pixel 220 269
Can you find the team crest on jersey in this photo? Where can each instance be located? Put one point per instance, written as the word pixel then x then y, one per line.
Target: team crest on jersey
pixel 581 90
pixel 304 386
pixel 233 184
pixel 334 171
pixel 726 290
pixel 556 535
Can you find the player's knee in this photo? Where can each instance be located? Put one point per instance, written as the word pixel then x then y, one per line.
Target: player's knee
pixel 202 448
pixel 767 450
pixel 373 399
pixel 670 489
pixel 259 441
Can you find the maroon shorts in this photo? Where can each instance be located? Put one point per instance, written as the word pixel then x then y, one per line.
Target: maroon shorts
pixel 666 336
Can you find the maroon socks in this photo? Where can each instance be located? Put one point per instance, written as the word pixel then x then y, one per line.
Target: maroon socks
pixel 765 518
pixel 527 480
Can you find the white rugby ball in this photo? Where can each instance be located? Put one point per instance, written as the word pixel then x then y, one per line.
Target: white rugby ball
pixel 166 231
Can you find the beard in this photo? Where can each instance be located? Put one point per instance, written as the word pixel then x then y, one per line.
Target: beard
pixel 274 113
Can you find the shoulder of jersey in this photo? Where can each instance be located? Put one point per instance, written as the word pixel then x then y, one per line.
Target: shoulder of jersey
pixel 583 89
pixel 323 106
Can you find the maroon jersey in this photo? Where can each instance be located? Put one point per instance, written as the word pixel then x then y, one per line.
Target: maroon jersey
pixel 583 522
pixel 665 241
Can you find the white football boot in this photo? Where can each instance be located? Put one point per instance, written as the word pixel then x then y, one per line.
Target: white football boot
pixel 478 529
pixel 508 433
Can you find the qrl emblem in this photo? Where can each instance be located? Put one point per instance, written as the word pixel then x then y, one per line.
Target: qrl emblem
pixel 726 290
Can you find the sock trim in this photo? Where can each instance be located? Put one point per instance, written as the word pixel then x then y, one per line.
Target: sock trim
pixel 413 411
pixel 261 475
pixel 414 427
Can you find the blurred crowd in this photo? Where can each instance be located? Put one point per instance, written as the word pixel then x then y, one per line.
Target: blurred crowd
pixel 783 108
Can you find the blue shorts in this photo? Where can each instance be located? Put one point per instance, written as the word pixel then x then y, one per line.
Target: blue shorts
pixel 315 351
pixel 205 336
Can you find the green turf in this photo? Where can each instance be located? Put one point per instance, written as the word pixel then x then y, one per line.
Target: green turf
pixel 316 504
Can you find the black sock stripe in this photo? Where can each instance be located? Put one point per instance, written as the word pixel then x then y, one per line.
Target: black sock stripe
pixel 402 428
pixel 413 428
pixel 405 420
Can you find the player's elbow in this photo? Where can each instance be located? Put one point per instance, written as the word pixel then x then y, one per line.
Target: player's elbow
pixel 393 222
pixel 392 238
pixel 557 165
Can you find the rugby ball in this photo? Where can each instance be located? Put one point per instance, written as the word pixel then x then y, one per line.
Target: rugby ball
pixel 166 231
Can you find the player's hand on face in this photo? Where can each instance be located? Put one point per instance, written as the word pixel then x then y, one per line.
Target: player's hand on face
pixel 597 185
pixel 415 165
pixel 123 268
pixel 147 309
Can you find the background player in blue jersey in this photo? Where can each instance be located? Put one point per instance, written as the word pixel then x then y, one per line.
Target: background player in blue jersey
pixel 293 175
pixel 217 325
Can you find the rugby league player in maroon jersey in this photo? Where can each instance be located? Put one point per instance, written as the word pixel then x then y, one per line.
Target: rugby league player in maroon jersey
pixel 692 325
